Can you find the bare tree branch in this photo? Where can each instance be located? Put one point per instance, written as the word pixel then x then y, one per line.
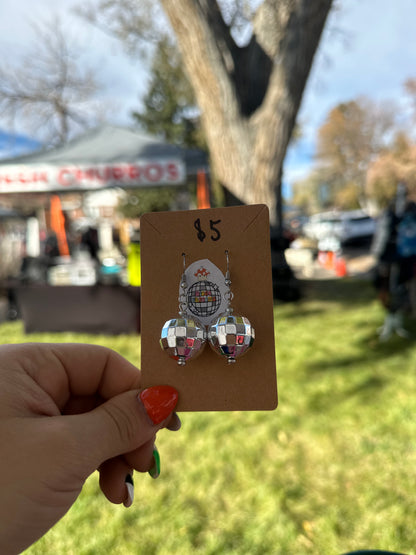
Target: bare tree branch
pixel 135 24
pixel 50 92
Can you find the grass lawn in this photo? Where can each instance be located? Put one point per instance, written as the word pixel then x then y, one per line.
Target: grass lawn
pixel 332 470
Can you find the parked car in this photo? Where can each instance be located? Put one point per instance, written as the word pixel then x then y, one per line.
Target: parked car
pixel 346 227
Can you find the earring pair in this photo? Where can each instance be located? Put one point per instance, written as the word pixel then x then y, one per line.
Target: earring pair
pixel 229 335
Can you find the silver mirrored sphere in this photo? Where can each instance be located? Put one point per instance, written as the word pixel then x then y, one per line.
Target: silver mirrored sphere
pixel 231 336
pixel 183 338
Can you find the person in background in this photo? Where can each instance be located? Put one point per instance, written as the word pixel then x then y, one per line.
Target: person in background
pixel 395 264
pixel 89 240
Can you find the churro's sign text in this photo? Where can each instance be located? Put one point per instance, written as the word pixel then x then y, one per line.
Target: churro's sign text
pixel 41 177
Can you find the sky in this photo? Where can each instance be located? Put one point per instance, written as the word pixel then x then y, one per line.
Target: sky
pixel 368 48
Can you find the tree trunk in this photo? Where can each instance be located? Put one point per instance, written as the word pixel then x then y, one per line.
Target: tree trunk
pixel 249 96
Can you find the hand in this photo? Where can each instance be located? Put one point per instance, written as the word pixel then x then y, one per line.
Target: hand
pixel 65 411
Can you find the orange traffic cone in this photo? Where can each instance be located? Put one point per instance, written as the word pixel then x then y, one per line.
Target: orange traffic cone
pixel 330 260
pixel 202 190
pixel 340 267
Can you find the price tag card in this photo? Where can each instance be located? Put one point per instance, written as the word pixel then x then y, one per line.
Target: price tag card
pixel 199 241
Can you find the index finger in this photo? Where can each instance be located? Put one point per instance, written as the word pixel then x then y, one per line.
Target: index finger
pixel 69 369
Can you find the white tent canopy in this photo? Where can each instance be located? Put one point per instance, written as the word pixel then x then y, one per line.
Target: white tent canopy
pixel 107 156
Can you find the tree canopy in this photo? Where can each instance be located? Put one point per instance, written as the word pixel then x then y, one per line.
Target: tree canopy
pixel 395 165
pixel 364 149
pixel 353 134
pixel 169 105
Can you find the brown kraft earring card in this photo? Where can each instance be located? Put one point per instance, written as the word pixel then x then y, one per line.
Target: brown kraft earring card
pixel 200 241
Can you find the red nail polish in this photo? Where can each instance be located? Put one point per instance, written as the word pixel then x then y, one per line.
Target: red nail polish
pixel 159 401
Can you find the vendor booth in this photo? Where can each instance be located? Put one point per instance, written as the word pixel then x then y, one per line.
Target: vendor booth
pixel 108 156
pixel 93 293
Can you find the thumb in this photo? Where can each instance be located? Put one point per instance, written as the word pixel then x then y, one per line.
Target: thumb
pixel 124 422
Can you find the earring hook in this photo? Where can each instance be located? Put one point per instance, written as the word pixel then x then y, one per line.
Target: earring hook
pixel 183 302
pixel 227 273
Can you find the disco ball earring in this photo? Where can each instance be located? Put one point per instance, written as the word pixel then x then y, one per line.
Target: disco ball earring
pixel 183 338
pixel 230 335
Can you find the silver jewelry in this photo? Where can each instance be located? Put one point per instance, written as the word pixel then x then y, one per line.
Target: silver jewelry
pixel 184 337
pixel 231 335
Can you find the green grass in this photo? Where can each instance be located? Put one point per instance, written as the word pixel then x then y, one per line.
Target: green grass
pixel 332 470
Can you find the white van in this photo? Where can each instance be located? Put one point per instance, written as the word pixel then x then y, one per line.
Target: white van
pixel 344 226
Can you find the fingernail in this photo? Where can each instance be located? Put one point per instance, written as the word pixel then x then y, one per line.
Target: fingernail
pixel 155 470
pixel 159 402
pixel 175 423
pixel 128 502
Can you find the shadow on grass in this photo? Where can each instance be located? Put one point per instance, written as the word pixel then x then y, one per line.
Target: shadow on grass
pixel 350 292
pixel 350 289
pixel 347 291
pixel 362 364
pixel 303 311
pixel 368 384
pixel 365 391
pixel 374 350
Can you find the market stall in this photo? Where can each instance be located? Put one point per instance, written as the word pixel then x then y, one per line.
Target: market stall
pixel 78 292
pixel 108 156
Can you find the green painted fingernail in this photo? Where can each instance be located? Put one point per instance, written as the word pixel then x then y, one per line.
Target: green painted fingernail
pixel 155 470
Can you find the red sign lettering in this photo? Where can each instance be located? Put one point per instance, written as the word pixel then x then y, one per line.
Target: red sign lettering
pixel 65 177
pixel 153 173
pixel 134 172
pixel 44 177
pixel 172 171
pixel 117 173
